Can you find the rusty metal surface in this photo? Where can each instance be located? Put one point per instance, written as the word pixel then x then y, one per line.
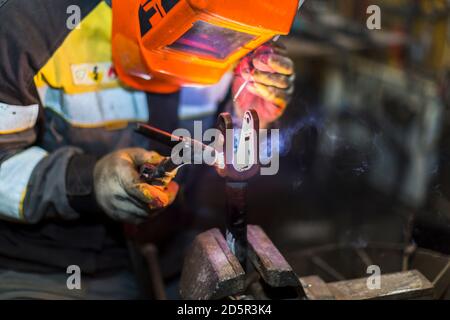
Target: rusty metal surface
pixel 336 259
pixel 210 270
pixel 269 262
pixel 402 285
pixel 236 220
pixel 316 289
pixel 351 262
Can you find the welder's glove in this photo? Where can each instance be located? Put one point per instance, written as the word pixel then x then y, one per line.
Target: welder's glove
pixel 269 89
pixel 122 194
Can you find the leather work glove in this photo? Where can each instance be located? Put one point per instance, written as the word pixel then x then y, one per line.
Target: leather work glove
pixel 270 75
pixel 122 194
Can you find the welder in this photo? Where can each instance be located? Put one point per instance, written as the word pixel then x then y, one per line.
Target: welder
pixel 69 100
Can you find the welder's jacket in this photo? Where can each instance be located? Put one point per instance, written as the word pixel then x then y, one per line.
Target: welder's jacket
pixel 61 108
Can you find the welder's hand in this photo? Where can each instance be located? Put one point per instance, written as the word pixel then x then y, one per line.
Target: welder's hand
pixel 122 194
pixel 270 75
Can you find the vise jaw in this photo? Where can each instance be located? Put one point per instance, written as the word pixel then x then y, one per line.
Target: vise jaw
pixel 211 271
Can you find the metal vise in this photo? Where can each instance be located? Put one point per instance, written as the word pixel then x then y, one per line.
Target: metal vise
pixel 212 271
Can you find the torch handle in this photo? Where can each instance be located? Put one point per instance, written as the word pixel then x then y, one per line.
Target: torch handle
pixel 152 174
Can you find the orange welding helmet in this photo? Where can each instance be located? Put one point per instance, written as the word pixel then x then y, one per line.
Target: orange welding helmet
pixel 160 45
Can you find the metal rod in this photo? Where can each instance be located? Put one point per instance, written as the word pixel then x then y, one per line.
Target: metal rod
pixel 236 220
pixel 172 140
pixel 159 135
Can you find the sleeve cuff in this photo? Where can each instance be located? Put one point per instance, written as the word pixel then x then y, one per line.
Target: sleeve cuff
pixel 80 184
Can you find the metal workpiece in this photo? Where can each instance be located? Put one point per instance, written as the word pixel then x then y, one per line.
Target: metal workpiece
pixel 241 159
pixel 241 163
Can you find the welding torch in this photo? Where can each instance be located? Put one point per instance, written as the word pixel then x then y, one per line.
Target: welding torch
pixel 153 174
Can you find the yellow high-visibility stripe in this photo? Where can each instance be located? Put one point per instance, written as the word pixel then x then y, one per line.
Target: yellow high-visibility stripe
pixel 90 44
pixel 12 131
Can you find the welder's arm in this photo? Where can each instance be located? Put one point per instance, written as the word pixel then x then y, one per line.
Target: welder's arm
pixel 264 81
pixel 36 184
pixel 32 180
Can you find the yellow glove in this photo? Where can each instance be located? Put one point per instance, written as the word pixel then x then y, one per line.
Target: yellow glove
pixel 122 194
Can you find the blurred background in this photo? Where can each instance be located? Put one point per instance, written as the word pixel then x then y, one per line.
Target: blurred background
pixel 366 155
pixel 365 151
